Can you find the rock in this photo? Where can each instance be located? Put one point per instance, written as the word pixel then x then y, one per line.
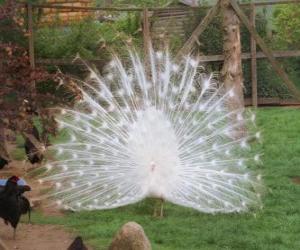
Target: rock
pixel 130 237
pixel 77 244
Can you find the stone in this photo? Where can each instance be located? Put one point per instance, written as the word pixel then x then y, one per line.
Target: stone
pixel 130 237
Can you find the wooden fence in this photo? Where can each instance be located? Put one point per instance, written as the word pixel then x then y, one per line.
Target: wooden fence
pixel 249 23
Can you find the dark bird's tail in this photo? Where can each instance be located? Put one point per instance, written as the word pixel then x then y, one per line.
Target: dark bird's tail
pixel 25 206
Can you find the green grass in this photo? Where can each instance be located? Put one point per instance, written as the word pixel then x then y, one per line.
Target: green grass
pixel 277 226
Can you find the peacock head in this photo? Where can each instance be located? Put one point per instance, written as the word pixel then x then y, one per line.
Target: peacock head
pixel 14 179
pixel 152 166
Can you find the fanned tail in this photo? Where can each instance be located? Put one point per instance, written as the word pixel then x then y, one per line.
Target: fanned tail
pixel 168 134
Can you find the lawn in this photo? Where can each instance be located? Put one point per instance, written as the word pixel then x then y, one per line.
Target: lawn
pixel 276 226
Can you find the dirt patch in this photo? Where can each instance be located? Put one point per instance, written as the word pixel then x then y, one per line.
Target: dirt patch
pixel 36 237
pixel 296 180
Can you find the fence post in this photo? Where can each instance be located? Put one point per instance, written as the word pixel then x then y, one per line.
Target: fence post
pixel 253 58
pixel 146 39
pixel 30 35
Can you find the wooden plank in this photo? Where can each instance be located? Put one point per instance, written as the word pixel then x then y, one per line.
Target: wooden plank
pixel 253 59
pixel 164 19
pixel 68 61
pixel 30 36
pixel 209 58
pixel 66 1
pixel 265 3
pixel 277 67
pixel 146 38
pixel 197 32
pixel 273 101
pixel 55 6
pixel 170 23
pixel 246 56
pixel 171 14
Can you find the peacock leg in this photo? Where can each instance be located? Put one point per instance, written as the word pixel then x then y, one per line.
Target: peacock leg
pixel 154 212
pixel 161 208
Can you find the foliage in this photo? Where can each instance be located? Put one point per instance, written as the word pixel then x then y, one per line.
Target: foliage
pixel 11 24
pixel 124 31
pixel 287 24
pixel 65 42
pixel 268 83
pixel 27 93
pixel 211 43
pixel 274 227
pixel 88 38
pixel 287 36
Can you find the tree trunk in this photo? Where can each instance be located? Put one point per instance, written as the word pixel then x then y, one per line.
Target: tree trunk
pixel 231 74
pixel 4 155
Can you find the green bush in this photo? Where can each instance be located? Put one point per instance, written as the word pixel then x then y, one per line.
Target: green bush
pixel 65 42
pixel 287 26
pixel 88 38
pixel 286 20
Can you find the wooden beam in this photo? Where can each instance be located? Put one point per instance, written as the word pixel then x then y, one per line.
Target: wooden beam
pixel 253 59
pixel 30 36
pixel 268 52
pixel 78 8
pixel 273 2
pixel 203 58
pixel 68 61
pixel 197 32
pixel 146 32
pixel 246 56
pixel 273 101
pixel 146 40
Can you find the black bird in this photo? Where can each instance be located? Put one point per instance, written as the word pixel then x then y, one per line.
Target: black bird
pixel 3 162
pixel 33 154
pixel 25 206
pixel 77 244
pixel 12 203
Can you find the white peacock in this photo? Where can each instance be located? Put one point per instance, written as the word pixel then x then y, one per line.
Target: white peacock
pixel 166 133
